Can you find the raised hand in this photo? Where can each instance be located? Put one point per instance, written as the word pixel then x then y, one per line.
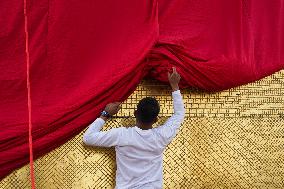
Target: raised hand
pixel 174 79
pixel 113 108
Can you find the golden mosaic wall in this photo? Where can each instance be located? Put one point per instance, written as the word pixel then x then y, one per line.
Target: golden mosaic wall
pixel 229 139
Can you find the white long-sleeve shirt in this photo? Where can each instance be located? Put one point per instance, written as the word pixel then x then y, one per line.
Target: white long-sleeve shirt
pixel 139 153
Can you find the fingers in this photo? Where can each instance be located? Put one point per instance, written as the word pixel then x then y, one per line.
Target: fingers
pixel 174 71
pixel 117 107
pixel 116 104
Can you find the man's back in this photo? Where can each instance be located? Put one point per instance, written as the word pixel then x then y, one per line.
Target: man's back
pixel 140 161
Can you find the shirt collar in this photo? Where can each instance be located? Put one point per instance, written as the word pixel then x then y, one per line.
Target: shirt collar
pixel 141 131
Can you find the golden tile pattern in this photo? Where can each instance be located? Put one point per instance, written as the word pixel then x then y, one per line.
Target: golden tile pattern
pixel 229 139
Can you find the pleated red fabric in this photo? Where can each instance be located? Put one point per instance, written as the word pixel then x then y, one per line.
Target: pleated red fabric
pixel 85 54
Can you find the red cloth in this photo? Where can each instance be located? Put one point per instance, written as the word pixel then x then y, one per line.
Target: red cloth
pixel 85 54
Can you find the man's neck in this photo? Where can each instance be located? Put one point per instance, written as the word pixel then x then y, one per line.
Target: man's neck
pixel 144 126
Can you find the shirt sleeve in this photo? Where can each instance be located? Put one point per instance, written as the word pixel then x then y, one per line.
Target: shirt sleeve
pixel 169 129
pixel 94 137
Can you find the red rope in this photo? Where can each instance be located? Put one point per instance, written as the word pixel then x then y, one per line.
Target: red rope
pixel 29 97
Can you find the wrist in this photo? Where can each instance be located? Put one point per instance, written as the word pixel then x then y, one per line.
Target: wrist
pixel 105 115
pixel 175 87
pixel 104 118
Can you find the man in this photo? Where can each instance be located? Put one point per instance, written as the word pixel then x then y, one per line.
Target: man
pixel 139 149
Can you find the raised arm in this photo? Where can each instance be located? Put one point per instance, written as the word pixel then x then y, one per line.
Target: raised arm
pixel 170 128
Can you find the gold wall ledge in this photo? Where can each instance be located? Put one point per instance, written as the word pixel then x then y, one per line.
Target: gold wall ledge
pixel 229 139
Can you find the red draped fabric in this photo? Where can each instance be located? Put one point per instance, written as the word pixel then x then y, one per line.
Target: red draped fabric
pixel 85 54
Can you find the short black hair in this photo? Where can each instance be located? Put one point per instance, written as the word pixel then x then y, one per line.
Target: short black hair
pixel 147 110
